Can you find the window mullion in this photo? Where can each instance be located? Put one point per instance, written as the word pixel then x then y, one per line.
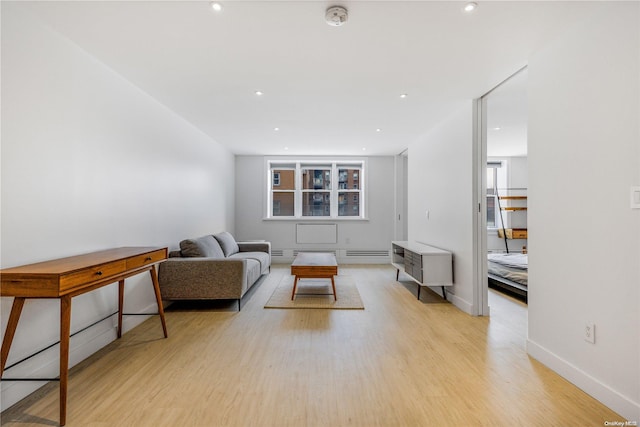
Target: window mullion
pixel 298 192
pixel 334 190
pixel 269 207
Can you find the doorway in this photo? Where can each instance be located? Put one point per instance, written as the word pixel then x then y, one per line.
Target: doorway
pixel 502 249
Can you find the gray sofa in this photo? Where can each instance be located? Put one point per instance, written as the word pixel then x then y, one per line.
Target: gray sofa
pixel 213 267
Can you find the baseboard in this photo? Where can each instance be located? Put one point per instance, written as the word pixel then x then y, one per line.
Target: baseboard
pixel 461 304
pixel 628 409
pixel 45 364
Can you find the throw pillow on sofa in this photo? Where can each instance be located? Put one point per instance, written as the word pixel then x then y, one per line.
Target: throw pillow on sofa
pixel 205 246
pixel 227 243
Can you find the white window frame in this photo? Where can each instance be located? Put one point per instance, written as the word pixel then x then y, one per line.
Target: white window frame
pixel 299 165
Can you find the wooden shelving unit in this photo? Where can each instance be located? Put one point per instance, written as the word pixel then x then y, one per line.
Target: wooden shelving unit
pixel 516 205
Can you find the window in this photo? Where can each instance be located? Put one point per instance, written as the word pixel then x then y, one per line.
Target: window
pixel 316 190
pixel 491 196
pixel 324 189
pixel 282 192
pixel 349 194
pixel 493 212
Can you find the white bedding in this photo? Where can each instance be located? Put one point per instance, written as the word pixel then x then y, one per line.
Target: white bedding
pixel 510 266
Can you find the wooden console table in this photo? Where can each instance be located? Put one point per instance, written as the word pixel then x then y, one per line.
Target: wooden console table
pixel 66 278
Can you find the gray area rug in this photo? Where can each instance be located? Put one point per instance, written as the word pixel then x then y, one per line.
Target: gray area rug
pixel 316 293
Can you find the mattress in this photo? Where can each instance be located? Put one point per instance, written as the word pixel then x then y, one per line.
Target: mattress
pixel 510 266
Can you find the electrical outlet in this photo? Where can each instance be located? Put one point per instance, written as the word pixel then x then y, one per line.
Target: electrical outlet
pixel 590 332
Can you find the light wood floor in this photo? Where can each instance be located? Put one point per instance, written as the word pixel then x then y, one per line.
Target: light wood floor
pixel 399 362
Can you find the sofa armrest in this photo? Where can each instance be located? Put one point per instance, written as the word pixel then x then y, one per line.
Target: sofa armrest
pixel 202 278
pixel 255 247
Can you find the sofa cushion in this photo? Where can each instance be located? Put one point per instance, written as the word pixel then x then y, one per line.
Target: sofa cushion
pixel 227 243
pixel 205 246
pixel 253 274
pixel 261 257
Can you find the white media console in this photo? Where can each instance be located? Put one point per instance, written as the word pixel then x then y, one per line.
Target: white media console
pixel 427 265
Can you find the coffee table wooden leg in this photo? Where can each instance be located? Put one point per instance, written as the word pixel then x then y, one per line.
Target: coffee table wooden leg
pixel 295 283
pixel 65 330
pixel 16 309
pixel 333 284
pixel 156 288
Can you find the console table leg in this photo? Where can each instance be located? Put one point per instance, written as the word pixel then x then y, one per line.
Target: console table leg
pixel 16 309
pixel 156 288
pixel 397 274
pixel 65 331
pixel 419 287
pixel 120 306
pixel 444 293
pixel 333 284
pixel 295 283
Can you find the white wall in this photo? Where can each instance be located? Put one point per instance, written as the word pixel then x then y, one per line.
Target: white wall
pixel 90 162
pixel 584 240
pixel 441 182
pixel 376 233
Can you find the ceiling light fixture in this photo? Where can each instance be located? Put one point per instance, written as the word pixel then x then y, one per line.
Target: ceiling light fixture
pixel 404 95
pixel 336 16
pixel 259 93
pixel 216 6
pixel 276 129
pixel 378 130
pixel 470 7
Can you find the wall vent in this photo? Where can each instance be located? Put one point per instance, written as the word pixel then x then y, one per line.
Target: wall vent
pixel 367 253
pixel 277 252
pixel 297 251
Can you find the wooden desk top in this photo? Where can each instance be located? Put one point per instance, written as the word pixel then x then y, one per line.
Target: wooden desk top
pixel 50 279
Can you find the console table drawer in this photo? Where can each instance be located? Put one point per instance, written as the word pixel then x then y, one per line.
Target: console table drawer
pixel 92 274
pixel 146 259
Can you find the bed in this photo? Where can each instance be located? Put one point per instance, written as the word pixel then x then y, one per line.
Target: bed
pixel 509 272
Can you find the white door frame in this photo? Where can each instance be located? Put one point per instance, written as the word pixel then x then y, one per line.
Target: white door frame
pixel 481 285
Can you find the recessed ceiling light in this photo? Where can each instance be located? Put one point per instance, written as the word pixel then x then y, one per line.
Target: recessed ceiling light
pixel 497 128
pixel 286 148
pixel 470 7
pixel 364 148
pixel 378 130
pixel 404 95
pixel 276 129
pixel 259 93
pixel 216 6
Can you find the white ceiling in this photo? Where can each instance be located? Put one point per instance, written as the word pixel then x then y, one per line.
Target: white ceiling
pixel 327 88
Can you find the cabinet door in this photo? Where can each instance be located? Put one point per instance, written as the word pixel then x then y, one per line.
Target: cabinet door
pixel 408 262
pixel 412 264
pixel 417 268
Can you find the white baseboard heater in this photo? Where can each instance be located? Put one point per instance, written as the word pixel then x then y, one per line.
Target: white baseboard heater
pixel 344 256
